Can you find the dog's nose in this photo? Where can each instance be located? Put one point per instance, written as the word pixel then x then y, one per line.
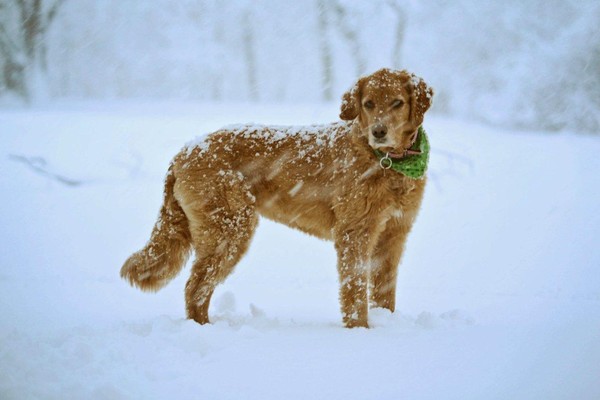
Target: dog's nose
pixel 379 131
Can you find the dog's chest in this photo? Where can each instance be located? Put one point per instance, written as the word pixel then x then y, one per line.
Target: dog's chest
pixel 398 195
pixel 405 196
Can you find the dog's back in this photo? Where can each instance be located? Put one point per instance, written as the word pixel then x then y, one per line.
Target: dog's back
pixel 289 171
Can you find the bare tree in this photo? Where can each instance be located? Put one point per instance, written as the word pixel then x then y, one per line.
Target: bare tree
pixel 401 19
pixel 349 32
pixel 216 74
pixel 23 29
pixel 325 49
pixel 249 44
pixel 40 166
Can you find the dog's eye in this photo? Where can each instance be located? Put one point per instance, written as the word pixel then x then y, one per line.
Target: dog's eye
pixel 369 104
pixel 398 103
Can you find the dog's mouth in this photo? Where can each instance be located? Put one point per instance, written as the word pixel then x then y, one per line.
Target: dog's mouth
pixel 381 144
pixel 394 150
pixel 385 146
pixel 386 149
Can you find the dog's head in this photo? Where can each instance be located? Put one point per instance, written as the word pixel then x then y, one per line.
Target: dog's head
pixel 389 107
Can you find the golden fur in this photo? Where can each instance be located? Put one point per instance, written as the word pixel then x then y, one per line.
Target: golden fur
pixel 323 180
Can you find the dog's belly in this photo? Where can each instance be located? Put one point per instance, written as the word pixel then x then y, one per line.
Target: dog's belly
pixel 315 218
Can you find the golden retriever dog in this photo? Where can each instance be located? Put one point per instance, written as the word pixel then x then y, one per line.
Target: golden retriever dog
pixel 332 181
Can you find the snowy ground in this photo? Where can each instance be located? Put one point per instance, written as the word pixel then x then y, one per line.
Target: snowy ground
pixel 499 290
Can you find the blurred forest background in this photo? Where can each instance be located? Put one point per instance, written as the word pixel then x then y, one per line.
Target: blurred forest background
pixel 525 64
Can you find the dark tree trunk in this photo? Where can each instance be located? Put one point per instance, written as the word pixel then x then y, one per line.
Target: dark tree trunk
pixel 400 29
pixel 249 53
pixel 24 48
pixel 325 50
pixel 350 34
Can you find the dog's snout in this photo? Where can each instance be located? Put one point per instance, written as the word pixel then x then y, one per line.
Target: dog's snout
pixel 379 131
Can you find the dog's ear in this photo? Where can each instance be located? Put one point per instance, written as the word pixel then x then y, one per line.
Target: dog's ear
pixel 351 102
pixel 421 96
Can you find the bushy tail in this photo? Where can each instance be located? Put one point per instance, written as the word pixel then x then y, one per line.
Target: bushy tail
pixel 168 249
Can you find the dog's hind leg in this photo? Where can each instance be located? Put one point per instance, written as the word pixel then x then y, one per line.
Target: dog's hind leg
pixel 219 245
pixel 222 228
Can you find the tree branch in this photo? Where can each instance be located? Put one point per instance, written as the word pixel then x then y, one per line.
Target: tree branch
pixel 4 34
pixel 351 35
pixel 325 49
pixel 51 14
pixel 454 157
pixel 400 28
pixel 4 47
pixel 39 166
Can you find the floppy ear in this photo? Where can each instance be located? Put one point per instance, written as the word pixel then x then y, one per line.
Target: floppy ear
pixel 420 101
pixel 351 102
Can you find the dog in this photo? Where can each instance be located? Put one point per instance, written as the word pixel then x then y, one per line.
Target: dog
pixel 331 181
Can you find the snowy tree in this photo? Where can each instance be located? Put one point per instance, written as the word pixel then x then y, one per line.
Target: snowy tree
pixel 347 19
pixel 399 10
pixel 24 25
pixel 325 49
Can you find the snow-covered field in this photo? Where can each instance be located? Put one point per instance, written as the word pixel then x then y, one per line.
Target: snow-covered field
pixel 498 292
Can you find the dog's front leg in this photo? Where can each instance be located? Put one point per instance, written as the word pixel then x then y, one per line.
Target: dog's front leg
pixel 384 268
pixel 354 247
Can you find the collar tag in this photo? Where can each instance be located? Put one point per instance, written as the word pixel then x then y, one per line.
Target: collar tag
pixel 386 162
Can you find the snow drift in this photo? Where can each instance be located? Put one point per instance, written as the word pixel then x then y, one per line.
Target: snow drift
pixel 498 292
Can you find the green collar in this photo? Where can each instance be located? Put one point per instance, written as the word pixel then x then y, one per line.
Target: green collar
pixel 411 165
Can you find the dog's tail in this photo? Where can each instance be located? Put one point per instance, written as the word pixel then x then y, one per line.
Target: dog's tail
pixel 168 249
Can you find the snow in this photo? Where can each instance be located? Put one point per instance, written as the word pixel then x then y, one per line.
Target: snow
pixel 498 292
pixel 321 134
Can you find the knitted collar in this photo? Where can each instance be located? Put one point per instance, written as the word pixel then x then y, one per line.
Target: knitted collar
pixel 413 163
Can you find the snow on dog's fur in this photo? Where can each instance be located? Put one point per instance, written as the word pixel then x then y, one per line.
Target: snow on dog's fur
pixel 324 180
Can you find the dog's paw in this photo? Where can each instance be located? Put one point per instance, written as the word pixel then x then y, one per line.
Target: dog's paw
pixel 356 323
